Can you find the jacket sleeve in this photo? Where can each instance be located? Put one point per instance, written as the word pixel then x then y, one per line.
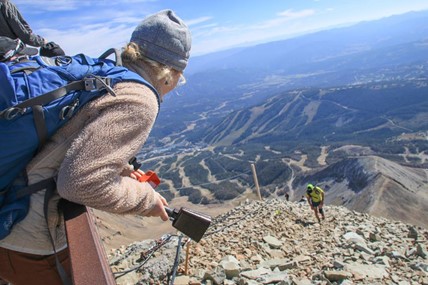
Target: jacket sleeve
pixel 20 27
pixel 94 167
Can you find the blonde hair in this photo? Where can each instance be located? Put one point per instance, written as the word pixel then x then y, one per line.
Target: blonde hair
pixel 132 54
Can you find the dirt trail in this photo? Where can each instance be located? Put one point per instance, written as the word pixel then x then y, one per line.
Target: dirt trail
pixel 323 155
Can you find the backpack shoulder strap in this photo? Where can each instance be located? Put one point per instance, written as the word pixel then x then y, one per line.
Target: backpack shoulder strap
pixel 116 52
pixel 88 84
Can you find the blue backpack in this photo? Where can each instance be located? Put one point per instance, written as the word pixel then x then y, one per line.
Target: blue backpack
pixel 38 96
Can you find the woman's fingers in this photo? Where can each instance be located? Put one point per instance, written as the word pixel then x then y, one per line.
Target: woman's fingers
pixel 158 209
pixel 136 174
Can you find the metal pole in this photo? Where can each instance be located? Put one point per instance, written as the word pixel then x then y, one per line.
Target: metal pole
pixel 256 181
pixel 176 260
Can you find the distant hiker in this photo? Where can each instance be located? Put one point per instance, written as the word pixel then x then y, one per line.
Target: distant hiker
pixel 302 200
pixel 315 197
pixel 14 26
pixel 89 156
pixel 287 196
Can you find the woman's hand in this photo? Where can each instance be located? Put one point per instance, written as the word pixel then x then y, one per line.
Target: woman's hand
pixel 136 174
pixel 158 210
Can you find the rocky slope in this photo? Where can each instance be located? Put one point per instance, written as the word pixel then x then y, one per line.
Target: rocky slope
pixel 373 185
pixel 278 242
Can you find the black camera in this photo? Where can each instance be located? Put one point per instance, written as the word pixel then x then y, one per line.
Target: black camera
pixel 189 222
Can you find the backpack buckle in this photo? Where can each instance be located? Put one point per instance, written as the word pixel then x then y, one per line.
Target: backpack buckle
pixel 12 112
pixel 90 84
pixel 67 111
pixel 96 83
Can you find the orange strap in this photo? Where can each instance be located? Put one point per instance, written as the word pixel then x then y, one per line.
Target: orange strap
pixel 150 177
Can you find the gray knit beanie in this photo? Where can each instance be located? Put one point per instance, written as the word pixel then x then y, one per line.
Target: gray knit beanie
pixel 163 37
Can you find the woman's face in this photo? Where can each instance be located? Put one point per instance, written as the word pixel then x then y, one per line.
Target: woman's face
pixel 171 85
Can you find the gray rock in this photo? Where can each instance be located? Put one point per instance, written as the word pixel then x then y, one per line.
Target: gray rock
pixel 413 233
pixel 182 280
pixel 302 259
pixel 282 264
pixel 217 277
pixel 130 278
pixel 398 255
pixel 421 251
pixel 363 247
pixel 381 249
pixel 419 266
pixel 231 269
pixel 229 258
pixel 384 260
pixel 352 237
pixel 272 241
pixel 410 252
pixel 254 274
pixel 273 278
pixel 374 237
pixel 303 281
pixel 335 275
pixel 338 264
pixel 374 271
pixel 251 282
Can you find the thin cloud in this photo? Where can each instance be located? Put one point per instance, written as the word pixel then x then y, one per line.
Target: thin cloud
pixel 240 35
pixel 70 5
pixel 207 26
pixel 282 18
pixel 125 20
pixel 49 5
pixel 198 21
pixel 290 14
pixel 92 40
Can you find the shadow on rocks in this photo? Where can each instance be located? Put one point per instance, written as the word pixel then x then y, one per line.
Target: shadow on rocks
pixel 304 223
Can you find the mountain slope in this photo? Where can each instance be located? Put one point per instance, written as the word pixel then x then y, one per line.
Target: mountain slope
pixel 376 186
pixel 371 111
pixel 320 46
pixel 289 107
pixel 277 242
pixel 389 50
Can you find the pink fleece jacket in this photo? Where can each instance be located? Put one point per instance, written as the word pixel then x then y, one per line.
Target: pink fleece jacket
pixel 89 156
pixel 95 170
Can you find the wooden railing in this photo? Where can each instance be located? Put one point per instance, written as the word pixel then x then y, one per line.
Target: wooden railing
pixel 89 264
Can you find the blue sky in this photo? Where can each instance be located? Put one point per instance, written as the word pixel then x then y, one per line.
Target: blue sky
pixel 93 26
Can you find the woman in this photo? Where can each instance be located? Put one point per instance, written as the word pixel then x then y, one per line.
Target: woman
pixel 89 155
